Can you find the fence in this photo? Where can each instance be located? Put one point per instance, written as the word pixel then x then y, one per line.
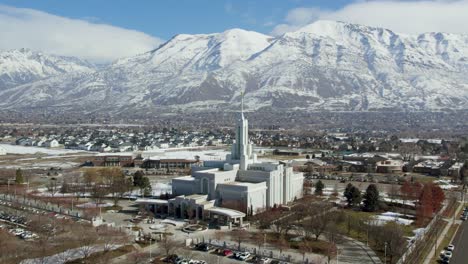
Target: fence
pixel 40 205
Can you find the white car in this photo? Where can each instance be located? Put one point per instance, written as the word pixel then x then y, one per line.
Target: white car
pixel 264 261
pixel 448 254
pixel 450 247
pixel 244 256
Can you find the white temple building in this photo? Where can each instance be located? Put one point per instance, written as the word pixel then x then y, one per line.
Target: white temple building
pixel 238 184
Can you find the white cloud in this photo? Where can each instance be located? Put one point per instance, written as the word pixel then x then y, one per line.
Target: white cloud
pixel 40 31
pixel 410 17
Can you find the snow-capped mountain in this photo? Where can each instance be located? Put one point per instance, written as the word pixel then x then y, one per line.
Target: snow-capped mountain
pixel 326 65
pixel 25 66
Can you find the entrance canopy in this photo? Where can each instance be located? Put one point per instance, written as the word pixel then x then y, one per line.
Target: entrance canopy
pixel 151 201
pixel 226 212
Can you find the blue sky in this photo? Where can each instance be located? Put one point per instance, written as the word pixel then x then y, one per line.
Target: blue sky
pixel 165 18
pixel 105 30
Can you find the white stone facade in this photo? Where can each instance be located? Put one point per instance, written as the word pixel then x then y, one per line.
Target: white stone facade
pixel 240 182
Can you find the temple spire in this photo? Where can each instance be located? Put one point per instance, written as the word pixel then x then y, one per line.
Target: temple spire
pixel 242 102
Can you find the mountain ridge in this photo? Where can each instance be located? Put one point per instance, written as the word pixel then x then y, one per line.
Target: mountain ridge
pixel 326 65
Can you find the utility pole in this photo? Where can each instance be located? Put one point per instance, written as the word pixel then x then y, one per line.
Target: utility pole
pixel 150 245
pixel 385 254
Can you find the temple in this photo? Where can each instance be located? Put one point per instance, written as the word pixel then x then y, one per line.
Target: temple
pixel 232 188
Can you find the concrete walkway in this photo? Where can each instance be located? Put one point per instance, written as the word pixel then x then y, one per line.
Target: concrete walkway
pixel 353 251
pixel 442 235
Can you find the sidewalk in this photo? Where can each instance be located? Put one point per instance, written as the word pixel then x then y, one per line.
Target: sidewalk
pixel 353 251
pixel 441 237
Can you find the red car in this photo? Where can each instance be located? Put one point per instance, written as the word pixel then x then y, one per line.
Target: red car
pixel 227 253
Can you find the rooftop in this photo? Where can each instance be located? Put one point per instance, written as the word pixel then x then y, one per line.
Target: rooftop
pixel 225 211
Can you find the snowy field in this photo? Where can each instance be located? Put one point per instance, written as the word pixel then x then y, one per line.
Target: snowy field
pixel 67 256
pixel 15 149
pixel 157 190
pixel 94 205
pixel 446 185
pixel 40 165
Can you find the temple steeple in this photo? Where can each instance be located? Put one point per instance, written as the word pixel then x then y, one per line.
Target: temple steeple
pixel 241 151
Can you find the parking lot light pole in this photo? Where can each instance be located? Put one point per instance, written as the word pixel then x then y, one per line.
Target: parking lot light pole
pixel 150 245
pixel 385 254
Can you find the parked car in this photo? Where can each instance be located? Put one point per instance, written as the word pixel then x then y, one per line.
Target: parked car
pixel 171 258
pixel 227 253
pixel 450 247
pixel 203 247
pixel 244 256
pixel 264 261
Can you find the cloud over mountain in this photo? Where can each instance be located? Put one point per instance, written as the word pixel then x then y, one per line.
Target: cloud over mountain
pixel 41 31
pixel 411 17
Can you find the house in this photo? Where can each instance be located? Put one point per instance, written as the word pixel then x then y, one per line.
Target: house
pixel 51 143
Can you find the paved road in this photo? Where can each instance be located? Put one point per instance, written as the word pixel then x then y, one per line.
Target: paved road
pixel 460 255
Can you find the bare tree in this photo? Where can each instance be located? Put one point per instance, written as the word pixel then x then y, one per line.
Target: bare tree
pixel 86 237
pixel 168 244
pixel 319 219
pixel 111 237
pixel 137 257
pixel 282 244
pixel 239 236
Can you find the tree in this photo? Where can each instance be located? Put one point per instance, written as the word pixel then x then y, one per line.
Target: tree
pixel 319 188
pixel 438 197
pixel 118 187
pixel 371 198
pixel 142 182
pixel 424 209
pixel 138 178
pixel 259 238
pixel 352 195
pixel 146 187
pixel 86 237
pixel 319 219
pixel 111 237
pixel 239 236
pixel 19 179
pixel 282 244
pixel 393 235
pixel 52 186
pixel 168 244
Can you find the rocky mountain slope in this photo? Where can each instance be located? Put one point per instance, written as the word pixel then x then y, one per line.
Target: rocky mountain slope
pixel 324 66
pixel 24 66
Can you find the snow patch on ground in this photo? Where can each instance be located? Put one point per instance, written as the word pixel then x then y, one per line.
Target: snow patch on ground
pixel 94 205
pixel 67 255
pixel 15 149
pixel 386 217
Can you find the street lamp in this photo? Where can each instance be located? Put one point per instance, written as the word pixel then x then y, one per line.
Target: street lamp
pixel 385 254
pixel 150 245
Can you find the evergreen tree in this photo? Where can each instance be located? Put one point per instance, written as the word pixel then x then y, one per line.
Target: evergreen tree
pixel 146 187
pixel 319 188
pixel 138 178
pixel 19 177
pixel 371 198
pixel 352 195
pixel 355 196
pixel 347 192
